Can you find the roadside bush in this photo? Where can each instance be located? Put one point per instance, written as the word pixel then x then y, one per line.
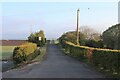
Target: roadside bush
pixel 74 50
pixel 34 37
pixel 102 58
pixel 95 44
pixel 71 37
pixel 24 52
pixel 107 59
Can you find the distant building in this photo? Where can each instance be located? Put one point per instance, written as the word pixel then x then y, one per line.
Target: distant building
pixel 119 12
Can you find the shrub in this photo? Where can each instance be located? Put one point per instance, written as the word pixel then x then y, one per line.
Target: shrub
pixel 111 37
pixel 107 59
pixel 93 43
pixel 102 58
pixel 34 37
pixel 75 50
pixel 22 53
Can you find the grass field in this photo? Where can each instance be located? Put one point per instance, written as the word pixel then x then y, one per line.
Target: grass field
pixel 6 52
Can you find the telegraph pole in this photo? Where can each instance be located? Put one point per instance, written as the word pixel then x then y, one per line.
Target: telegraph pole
pixel 77 32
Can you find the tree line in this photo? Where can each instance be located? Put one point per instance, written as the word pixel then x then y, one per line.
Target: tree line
pixel 110 38
pixel 87 37
pixel 30 50
pixel 38 38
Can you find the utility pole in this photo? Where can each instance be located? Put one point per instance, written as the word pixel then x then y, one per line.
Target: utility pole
pixel 77 32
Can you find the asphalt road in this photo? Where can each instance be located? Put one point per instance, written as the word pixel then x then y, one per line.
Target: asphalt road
pixel 55 65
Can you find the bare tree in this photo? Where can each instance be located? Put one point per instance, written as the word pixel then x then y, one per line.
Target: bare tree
pixel 89 33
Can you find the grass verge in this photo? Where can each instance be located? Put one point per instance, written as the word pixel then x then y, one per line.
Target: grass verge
pixel 40 57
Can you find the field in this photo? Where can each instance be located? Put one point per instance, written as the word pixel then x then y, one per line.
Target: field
pixel 6 52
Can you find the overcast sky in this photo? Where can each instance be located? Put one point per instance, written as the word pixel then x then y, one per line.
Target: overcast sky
pixel 55 18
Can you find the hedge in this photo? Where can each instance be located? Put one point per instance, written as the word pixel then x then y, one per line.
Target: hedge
pixel 107 59
pixel 103 58
pixel 24 52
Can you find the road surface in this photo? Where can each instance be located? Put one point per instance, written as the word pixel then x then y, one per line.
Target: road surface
pixel 55 65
